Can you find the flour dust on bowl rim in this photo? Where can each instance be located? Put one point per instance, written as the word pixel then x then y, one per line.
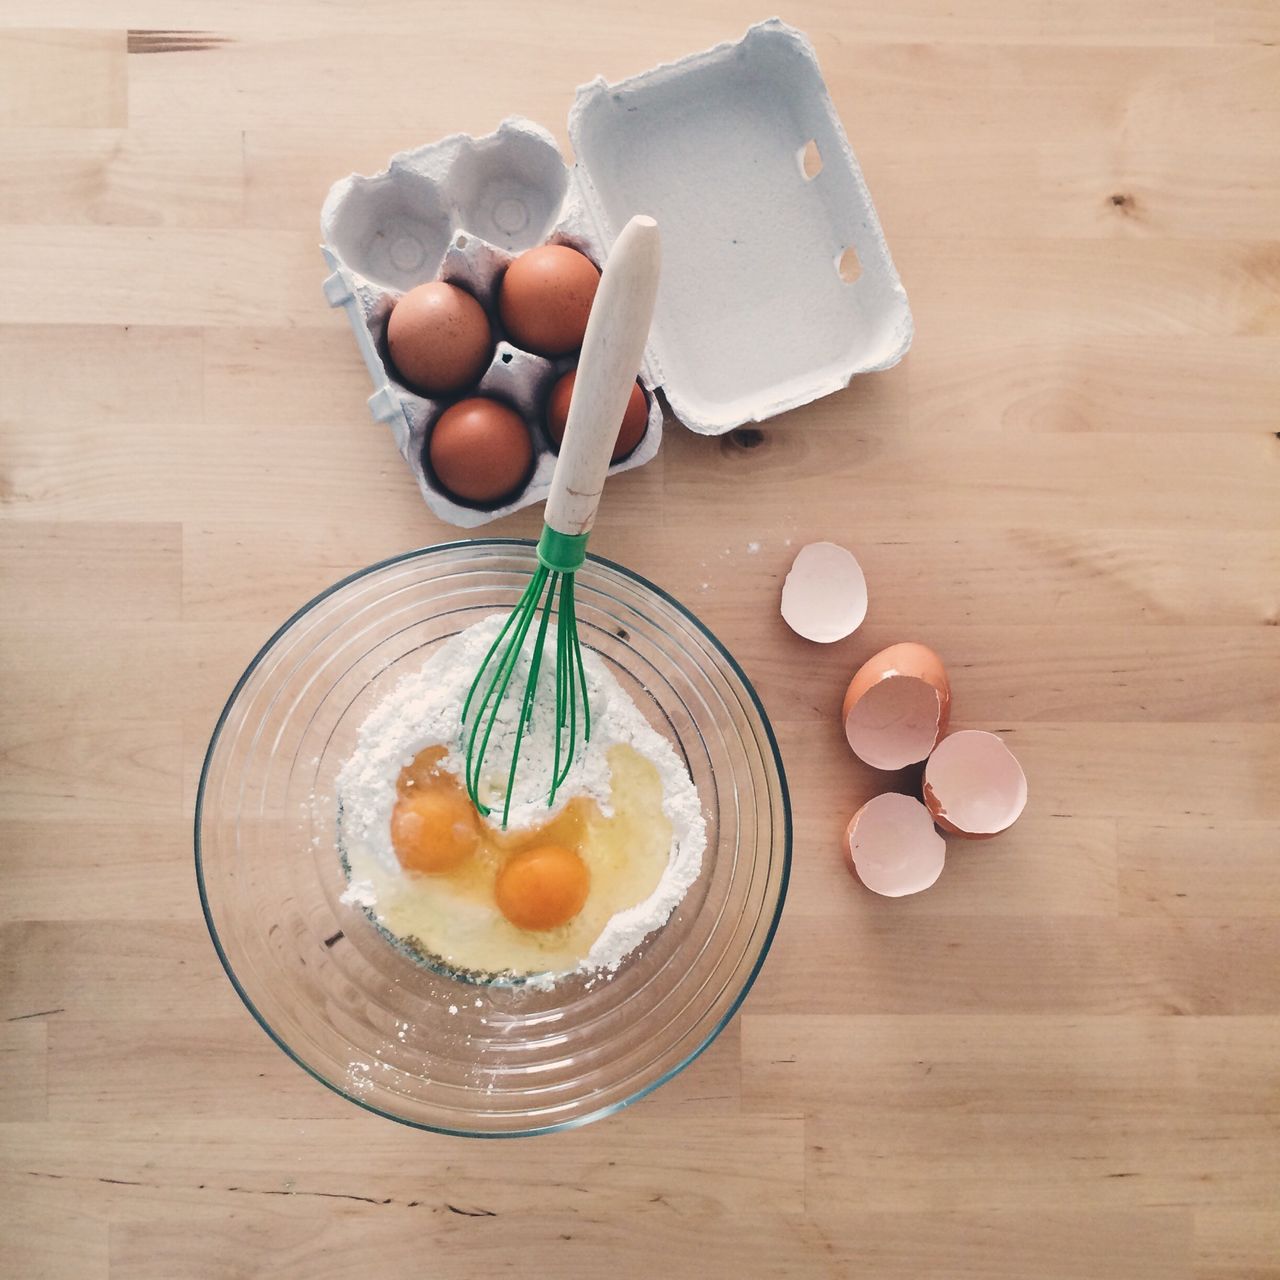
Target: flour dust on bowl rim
pixel 429 1048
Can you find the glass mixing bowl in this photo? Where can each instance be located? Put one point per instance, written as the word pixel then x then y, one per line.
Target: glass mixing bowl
pixel 362 1015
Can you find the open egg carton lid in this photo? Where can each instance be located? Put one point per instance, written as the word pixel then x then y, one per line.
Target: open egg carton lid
pixel 777 285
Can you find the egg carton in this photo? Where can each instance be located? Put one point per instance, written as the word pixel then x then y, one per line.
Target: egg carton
pixel 739 155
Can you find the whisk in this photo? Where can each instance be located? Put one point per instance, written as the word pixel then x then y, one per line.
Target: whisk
pixel 611 353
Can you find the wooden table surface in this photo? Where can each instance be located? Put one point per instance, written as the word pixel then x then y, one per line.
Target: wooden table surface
pixel 1062 1060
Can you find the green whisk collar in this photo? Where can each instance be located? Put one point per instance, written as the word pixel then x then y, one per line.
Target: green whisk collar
pixel 562 552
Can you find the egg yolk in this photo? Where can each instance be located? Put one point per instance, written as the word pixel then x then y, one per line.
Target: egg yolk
pixel 434 831
pixel 542 887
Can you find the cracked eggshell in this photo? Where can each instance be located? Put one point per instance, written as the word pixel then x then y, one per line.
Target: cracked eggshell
pixel 893 846
pixel 974 786
pixel 824 597
pixel 897 705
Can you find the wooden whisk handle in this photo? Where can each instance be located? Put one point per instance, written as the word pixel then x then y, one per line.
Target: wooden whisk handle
pixel 611 354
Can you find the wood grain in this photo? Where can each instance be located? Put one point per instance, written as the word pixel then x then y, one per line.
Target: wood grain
pixel 54 79
pixel 1059 1062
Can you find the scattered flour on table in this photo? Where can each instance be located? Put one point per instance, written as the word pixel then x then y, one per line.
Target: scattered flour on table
pixel 424 709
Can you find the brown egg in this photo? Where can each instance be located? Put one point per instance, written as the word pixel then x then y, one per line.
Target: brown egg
pixel 634 419
pixel 439 338
pixel 480 450
pixel 545 299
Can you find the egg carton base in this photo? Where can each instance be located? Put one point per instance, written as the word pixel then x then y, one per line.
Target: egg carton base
pixel 739 154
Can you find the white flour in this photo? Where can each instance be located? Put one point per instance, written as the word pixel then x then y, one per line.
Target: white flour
pixel 425 709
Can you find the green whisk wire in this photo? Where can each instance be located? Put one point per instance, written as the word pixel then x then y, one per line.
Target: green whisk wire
pixel 559 557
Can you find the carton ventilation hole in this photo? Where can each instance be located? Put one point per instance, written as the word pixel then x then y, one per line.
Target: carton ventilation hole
pixel 810 160
pixel 848 266
pixel 506 357
pixel 460 241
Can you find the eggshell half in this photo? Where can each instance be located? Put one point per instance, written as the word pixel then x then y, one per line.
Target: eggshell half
pixel 825 595
pixel 896 706
pixel 894 848
pixel 974 785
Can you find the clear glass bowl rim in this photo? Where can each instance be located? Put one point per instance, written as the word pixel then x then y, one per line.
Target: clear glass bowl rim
pixel 574 1122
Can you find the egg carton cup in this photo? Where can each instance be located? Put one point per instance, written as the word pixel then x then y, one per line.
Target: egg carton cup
pixel 428 216
pixel 739 155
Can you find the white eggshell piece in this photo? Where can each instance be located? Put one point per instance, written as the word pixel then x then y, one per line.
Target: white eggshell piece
pixel 895 723
pixel 825 595
pixel 894 847
pixel 974 784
